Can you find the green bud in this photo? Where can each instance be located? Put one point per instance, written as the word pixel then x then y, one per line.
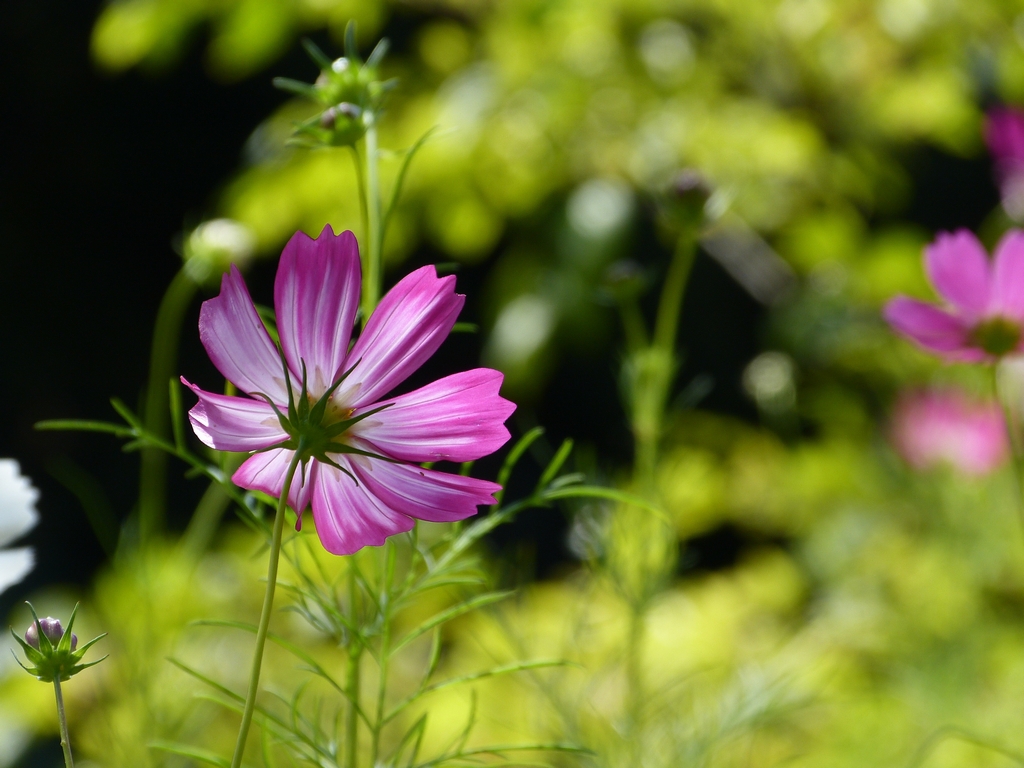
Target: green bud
pixel 685 199
pixel 52 650
pixel 349 91
pixel 624 281
pixel 211 248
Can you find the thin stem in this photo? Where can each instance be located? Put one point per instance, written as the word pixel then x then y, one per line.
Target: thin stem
pixel 372 270
pixel 1013 438
pixel 671 303
pixel 162 363
pixel 654 366
pixel 385 649
pixel 634 680
pixel 65 742
pixel 354 656
pixel 268 604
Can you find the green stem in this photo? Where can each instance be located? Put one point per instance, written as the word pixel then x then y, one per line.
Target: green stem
pixel 655 365
pixel 372 267
pixel 162 363
pixel 354 656
pixel 385 649
pixel 65 742
pixel 203 525
pixel 671 303
pixel 268 604
pixel 1014 439
pixel 634 680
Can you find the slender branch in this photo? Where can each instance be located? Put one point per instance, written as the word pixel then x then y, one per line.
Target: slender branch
pixel 163 360
pixel 385 650
pixel 372 273
pixel 268 604
pixel 65 742
pixel 354 657
pixel 1013 438
pixel 655 366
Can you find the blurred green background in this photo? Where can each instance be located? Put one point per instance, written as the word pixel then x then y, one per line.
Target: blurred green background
pixel 847 605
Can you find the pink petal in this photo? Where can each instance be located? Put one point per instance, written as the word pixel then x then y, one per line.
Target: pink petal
pixel 457 418
pixel 349 518
pixel 424 493
pixel 1008 276
pixel 316 296
pixel 927 325
pixel 238 343
pixel 266 472
pixel 958 267
pixel 234 423
pixel 406 328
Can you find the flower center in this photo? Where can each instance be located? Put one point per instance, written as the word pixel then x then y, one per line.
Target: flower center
pixel 997 336
pixel 314 424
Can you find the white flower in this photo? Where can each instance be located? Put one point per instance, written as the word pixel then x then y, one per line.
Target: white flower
pixel 17 517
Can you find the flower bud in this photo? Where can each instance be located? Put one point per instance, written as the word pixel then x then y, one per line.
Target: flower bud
pixel 211 248
pixel 624 281
pixel 349 93
pixel 51 650
pixel 53 631
pixel 686 197
pixel 343 124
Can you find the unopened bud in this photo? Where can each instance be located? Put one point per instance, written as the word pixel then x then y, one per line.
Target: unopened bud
pixel 52 629
pixel 624 280
pixel 211 248
pixel 686 197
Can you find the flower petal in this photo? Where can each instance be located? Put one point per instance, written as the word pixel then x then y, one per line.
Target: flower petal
pixel 316 295
pixel 958 268
pixel 348 517
pixel 1008 276
pixel 15 565
pixel 238 343
pixel 927 325
pixel 424 493
pixel 234 423
pixel 406 328
pixel 18 499
pixel 266 472
pixel 457 418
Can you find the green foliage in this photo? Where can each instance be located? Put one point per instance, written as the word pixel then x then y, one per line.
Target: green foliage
pixel 871 613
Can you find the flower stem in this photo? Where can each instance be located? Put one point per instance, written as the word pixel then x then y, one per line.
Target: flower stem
pixel 385 649
pixel 1013 438
pixel 162 362
pixel 372 267
pixel 65 742
pixel 655 366
pixel 268 604
pixel 354 656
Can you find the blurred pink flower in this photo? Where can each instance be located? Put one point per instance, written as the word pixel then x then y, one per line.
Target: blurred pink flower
pixel 984 311
pixel 360 451
pixel 1004 134
pixel 945 427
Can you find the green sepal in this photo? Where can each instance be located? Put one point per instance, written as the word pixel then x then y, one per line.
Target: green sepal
pixel 33 655
pixel 318 56
pixel 54 661
pixel 296 87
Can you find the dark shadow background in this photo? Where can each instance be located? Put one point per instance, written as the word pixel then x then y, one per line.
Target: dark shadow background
pixel 99 174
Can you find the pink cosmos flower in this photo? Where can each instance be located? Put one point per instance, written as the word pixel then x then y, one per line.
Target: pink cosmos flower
pixel 984 311
pixel 1004 134
pixel 945 427
pixel 324 397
